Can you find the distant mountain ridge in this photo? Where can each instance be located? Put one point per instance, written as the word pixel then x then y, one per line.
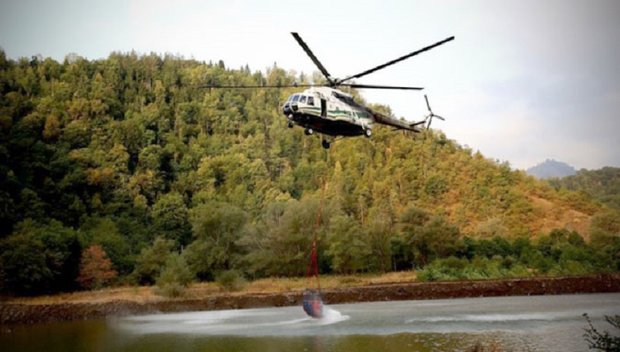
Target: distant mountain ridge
pixel 551 168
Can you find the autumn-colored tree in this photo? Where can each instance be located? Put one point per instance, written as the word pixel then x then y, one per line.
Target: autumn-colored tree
pixel 95 268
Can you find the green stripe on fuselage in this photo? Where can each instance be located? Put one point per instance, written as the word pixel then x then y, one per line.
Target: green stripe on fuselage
pixel 333 113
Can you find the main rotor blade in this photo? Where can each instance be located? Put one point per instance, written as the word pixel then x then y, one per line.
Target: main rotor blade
pixel 397 60
pixel 258 86
pixel 314 59
pixel 439 117
pixel 372 86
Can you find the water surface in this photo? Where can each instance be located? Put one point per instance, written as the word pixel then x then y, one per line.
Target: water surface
pixel 534 323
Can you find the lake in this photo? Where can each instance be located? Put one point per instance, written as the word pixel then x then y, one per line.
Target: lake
pixel 533 323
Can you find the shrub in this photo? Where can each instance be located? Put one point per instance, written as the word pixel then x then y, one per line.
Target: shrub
pixel 450 268
pixel 174 278
pixel 152 260
pixel 603 341
pixel 478 268
pixel 231 280
pixel 429 273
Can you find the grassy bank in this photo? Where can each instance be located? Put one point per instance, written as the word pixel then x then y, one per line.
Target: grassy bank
pixel 279 293
pixel 146 294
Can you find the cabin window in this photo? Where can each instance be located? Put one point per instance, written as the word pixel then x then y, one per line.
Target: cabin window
pixel 302 99
pixel 311 101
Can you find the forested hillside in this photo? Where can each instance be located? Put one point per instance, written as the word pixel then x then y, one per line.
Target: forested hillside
pixel 603 184
pixel 125 170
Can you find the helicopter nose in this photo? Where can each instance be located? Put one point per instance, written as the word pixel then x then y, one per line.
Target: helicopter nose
pixel 287 109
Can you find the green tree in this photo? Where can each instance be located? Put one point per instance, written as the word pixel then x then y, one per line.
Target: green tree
pixel 347 245
pixel 174 277
pixel 435 239
pixel 216 227
pixel 383 242
pixel 170 218
pixel 280 245
pixel 40 258
pixel 24 268
pixel 152 260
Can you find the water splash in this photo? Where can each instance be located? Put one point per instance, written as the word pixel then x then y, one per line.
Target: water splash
pixel 247 322
pixel 331 316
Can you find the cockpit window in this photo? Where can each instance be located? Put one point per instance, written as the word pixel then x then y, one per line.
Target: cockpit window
pixel 295 98
pixel 302 99
pixel 311 101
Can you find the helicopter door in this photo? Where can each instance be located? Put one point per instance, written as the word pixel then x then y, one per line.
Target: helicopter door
pixel 323 108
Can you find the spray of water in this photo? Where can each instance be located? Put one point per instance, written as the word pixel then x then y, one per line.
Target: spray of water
pixel 246 322
pixel 331 316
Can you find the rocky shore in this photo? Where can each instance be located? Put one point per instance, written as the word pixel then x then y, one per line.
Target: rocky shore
pixel 14 313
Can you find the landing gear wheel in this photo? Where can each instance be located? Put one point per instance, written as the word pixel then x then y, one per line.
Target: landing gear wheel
pixel 290 124
pixel 368 133
pixel 309 131
pixel 325 143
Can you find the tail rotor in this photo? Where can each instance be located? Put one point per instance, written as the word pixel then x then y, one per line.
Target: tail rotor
pixel 430 115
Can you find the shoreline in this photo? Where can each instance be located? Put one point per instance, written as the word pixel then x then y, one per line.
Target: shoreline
pixel 20 313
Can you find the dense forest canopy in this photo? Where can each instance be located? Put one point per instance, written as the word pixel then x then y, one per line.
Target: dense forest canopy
pixel 124 169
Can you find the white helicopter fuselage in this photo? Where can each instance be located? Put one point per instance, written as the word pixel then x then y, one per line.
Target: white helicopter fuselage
pixel 328 111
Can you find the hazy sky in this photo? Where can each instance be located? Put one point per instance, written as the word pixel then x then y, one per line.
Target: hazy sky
pixel 524 80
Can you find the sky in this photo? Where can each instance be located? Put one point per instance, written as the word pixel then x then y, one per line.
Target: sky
pixel 524 80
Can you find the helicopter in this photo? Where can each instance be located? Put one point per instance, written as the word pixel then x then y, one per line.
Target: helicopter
pixel 334 113
pixel 324 109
